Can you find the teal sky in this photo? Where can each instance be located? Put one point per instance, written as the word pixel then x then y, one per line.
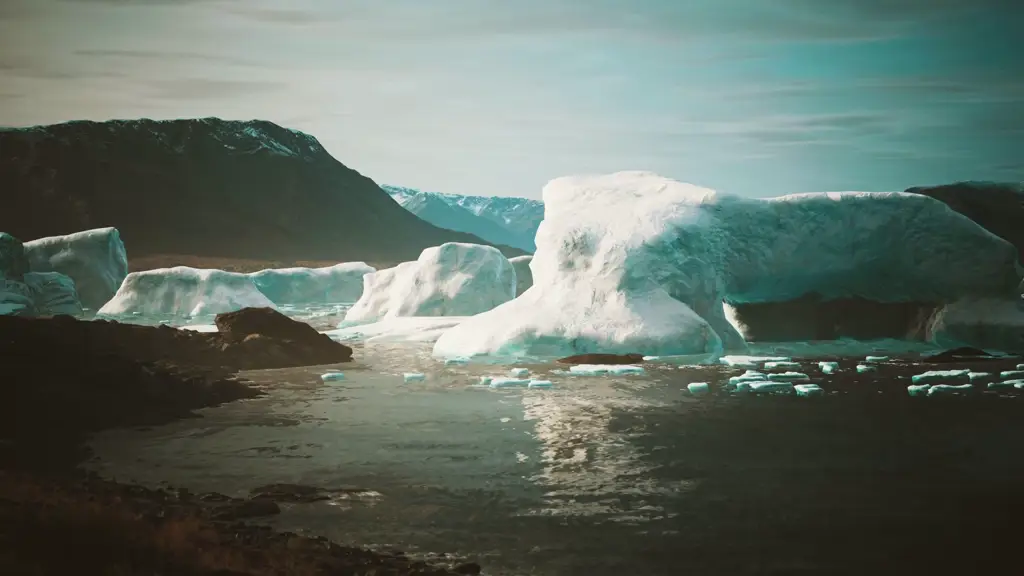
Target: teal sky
pixel 756 97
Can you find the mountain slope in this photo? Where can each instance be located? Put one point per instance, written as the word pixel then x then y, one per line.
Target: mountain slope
pixel 204 187
pixel 504 220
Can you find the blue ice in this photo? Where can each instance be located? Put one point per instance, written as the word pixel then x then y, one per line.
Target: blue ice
pixel 940 376
pixel 698 388
pixel 808 390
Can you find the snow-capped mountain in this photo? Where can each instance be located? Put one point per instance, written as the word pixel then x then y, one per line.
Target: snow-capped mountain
pixel 504 220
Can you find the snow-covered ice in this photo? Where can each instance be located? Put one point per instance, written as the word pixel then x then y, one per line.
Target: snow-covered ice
pixel 944 389
pixel 918 389
pixel 781 364
pixel 454 279
pixel 771 387
pixel 698 388
pixel 748 376
pixel 601 369
pixel 808 390
pixel 941 376
pixel 94 259
pixel 184 292
pixel 304 286
pixel 788 377
pixel 829 367
pixel 635 263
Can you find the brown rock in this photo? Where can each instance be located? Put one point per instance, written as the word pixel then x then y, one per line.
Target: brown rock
pixel 602 359
pixel 237 326
pixel 255 508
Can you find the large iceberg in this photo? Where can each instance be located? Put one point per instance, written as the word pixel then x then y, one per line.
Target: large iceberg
pixel 453 279
pixel 524 276
pixel 185 292
pixel 633 262
pixel 305 286
pixel 94 259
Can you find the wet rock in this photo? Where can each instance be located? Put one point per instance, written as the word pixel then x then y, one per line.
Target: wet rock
pixel 963 354
pixel 290 493
pixel 13 261
pixel 602 359
pixel 471 568
pixel 255 508
pixel 265 338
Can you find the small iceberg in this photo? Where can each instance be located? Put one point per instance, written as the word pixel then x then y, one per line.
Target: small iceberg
pixel 862 368
pixel 540 384
pixel 784 364
pixel 414 377
pixel 771 387
pixel 602 369
pixel 332 376
pixel 508 382
pixel 748 376
pixel 519 372
pixel 944 389
pixel 875 359
pixel 979 376
pixel 940 376
pixel 808 390
pixel 789 377
pixel 1012 374
pixel 918 389
pixel 829 367
pixel 698 388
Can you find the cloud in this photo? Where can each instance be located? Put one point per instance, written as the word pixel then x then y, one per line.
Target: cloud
pixel 198 89
pixel 165 55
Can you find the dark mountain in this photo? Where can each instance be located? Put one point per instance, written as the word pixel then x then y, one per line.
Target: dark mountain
pixel 204 187
pixel 999 208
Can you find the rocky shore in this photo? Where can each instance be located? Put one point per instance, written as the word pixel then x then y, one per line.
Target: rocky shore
pixel 66 378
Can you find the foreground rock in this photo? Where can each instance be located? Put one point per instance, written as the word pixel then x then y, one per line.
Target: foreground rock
pixel 256 339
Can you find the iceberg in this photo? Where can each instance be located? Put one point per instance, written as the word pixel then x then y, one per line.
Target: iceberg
pixel 94 259
pixel 989 323
pixel 341 283
pixel 829 367
pixel 633 262
pixel 53 293
pixel 946 389
pixel 453 279
pixel 184 292
pixel 524 276
pixel 698 388
pixel 808 390
pixel 941 376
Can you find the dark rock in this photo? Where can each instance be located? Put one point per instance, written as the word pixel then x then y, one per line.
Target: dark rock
pixel 13 261
pixel 468 568
pixel 236 326
pixel 997 207
pixel 255 508
pixel 602 359
pixel 290 493
pixel 964 354
pixel 265 338
pixel 204 187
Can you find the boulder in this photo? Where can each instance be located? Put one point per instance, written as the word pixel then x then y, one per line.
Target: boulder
pixel 13 262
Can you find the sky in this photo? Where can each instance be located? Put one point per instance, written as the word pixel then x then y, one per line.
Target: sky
pixel 496 97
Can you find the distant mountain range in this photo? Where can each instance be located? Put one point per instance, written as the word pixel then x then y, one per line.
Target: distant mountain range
pixel 498 219
pixel 204 187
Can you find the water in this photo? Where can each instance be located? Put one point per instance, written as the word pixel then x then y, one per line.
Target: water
pixel 600 475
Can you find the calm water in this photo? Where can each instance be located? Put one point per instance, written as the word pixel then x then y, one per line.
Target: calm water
pixel 600 475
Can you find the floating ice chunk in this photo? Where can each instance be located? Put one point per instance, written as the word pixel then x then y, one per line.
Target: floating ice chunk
pixel 876 359
pixel 1018 384
pixel 1012 374
pixel 808 390
pixel 829 367
pixel 862 368
pixel 485 380
pixel 781 364
pixel 741 361
pixel 771 387
pixel 788 376
pixel 698 388
pixel 601 369
pixel 508 382
pixel 941 389
pixel 745 386
pixel 1020 366
pixel 748 376
pixel 541 384
pixel 414 377
pixel 979 376
pixel 455 361
pixel 918 389
pixel 332 376
pixel 1004 384
pixel 940 376
pixel 519 372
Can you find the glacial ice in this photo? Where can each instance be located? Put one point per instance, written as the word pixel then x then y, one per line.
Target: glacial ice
pixel 808 390
pixel 743 361
pixel 979 376
pixel 524 276
pixel 782 364
pixel 864 368
pixel 829 367
pixel 184 292
pixel 409 329
pixel 771 387
pixel 53 293
pixel 519 372
pixel 788 377
pixel 918 389
pixel 941 376
pixel 94 259
pixel 748 376
pixel 454 279
pixel 508 382
pixel 602 369
pixel 414 377
pixel 698 388
pixel 945 389
pixel 645 265
pixel 1012 374
pixel 332 376
pixel 541 384
pixel 305 286
pixel 875 359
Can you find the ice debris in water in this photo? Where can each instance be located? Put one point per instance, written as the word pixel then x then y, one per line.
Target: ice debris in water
pixel 414 377
pixel 541 384
pixel 455 361
pixel 862 368
pixel 788 376
pixel 1012 374
pixel 485 380
pixel 918 389
pixel 698 388
pixel 939 389
pixel 508 382
pixel 332 376
pixel 1018 384
pixel 771 387
pixel 876 359
pixel 1004 384
pixel 807 390
pixel 600 369
pixel 829 367
pixel 739 361
pixel 781 364
pixel 519 372
pixel 976 376
pixel 748 376
pixel 940 376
